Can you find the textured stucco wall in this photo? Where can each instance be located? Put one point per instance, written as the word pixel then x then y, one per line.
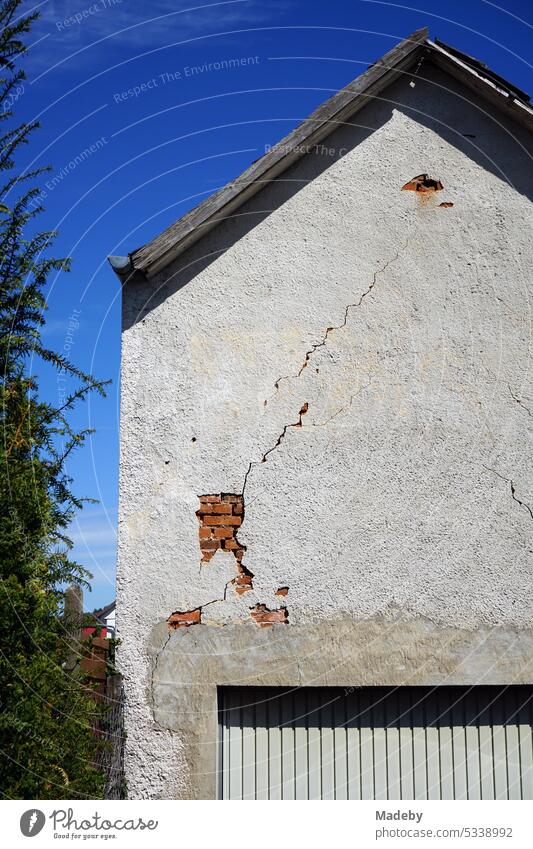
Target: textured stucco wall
pixel 405 497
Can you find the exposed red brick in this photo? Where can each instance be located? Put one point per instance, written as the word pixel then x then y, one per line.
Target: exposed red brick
pixel 234 521
pixel 221 508
pixel 223 533
pixel 220 517
pixel 208 547
pixel 210 519
pixel 207 544
pixel 423 183
pixel 184 619
pixel 282 591
pixel 243 583
pixel 447 204
pixel 266 618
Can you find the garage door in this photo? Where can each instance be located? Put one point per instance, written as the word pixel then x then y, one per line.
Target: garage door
pixel 376 743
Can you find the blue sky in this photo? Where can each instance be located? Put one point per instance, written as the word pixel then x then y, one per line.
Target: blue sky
pixel 128 81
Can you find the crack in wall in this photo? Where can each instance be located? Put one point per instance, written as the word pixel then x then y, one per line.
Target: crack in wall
pixel 520 403
pixel 262 615
pixel 152 679
pixel 518 501
pixel 341 326
pixel 188 618
pixel 304 409
pixel 281 437
pixel 310 353
pixel 513 490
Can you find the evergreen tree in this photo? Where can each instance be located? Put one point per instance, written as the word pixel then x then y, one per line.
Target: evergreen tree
pixel 48 747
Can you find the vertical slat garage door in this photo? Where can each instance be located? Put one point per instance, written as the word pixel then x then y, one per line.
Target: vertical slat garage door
pixel 376 743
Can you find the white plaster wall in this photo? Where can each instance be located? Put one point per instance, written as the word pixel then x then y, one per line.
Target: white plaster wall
pixel 408 490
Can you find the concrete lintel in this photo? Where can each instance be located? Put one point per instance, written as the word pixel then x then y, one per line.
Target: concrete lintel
pixel 192 663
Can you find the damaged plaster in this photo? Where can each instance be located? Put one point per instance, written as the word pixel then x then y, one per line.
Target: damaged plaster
pixel 374 494
pixel 423 183
pixel 315 347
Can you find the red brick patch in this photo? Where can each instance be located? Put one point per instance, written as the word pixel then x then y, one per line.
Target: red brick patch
pixel 184 619
pixel 423 183
pixel 243 582
pixel 266 618
pixel 220 517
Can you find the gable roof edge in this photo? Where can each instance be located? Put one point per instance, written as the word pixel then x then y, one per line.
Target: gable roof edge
pixel 155 255
pixel 158 253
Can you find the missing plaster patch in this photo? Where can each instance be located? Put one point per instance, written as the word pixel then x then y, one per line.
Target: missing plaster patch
pixel 184 619
pixel 447 204
pixel 220 517
pixel 266 618
pixel 282 591
pixel 423 183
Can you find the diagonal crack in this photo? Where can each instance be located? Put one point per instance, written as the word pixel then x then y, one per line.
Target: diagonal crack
pixel 281 437
pixel 310 353
pixel 304 409
pixel 343 324
pixel 200 609
pixel 518 501
pixel 215 600
pixel 520 403
pixel 513 490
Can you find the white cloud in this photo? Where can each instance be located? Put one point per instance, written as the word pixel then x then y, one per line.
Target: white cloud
pixel 118 27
